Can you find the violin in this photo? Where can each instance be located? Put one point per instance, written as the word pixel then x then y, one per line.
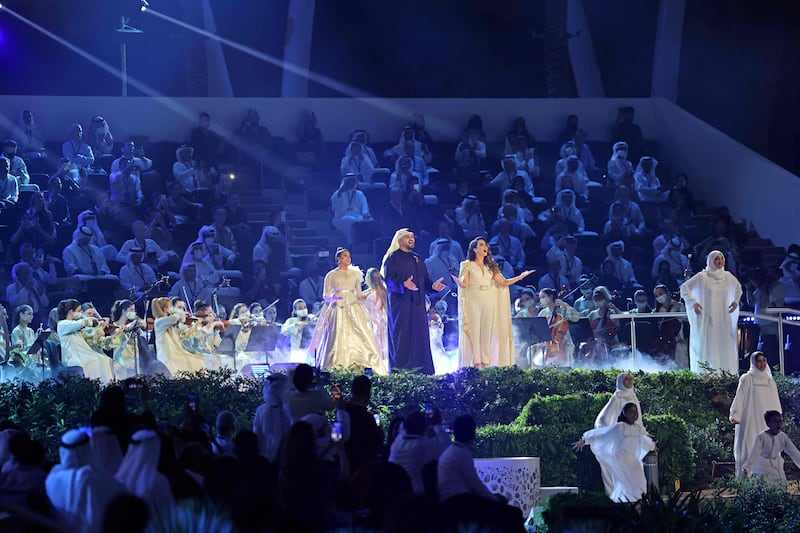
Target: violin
pixel 559 327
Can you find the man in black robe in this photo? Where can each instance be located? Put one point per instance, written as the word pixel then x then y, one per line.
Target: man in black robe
pixel 406 275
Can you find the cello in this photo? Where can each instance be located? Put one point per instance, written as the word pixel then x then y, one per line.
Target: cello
pixel 555 348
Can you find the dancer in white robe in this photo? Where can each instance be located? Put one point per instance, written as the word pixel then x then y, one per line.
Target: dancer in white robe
pixel 484 309
pixel 170 349
pixel 78 490
pixel 757 393
pixel 619 449
pixel 75 351
pixel 139 470
pixel 712 302
pixel 765 460
pixel 609 414
pixel 343 337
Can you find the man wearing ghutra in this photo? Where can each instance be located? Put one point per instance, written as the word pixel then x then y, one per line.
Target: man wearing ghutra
pixel 406 274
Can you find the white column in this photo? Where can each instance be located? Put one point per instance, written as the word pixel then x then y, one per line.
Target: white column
pixel 667 52
pixel 219 81
pixel 588 81
pixel 297 50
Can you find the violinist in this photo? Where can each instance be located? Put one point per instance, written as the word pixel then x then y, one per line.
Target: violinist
pixel 210 327
pixel 240 316
pixel 672 342
pixel 97 336
pixel 560 349
pixel 75 351
pixel 22 337
pixel 300 325
pixel 527 301
pixel 640 301
pixel 170 350
pixel 127 323
pixel 604 328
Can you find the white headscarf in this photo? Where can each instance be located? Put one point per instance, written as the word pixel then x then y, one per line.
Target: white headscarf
pixel 394 246
pixel 761 377
pixel 105 446
pixel 138 470
pixel 271 422
pixel 623 395
pixel 712 270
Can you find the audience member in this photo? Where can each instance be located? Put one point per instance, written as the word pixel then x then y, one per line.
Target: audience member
pixel 29 138
pixel 570 127
pixel 508 246
pixel 208 146
pixel 271 422
pixel 17 167
pixel 471 152
pixel 412 450
pixel 139 470
pixel 83 258
pixel 571 265
pixel 620 170
pixel 185 170
pixel 305 397
pixel 76 151
pixel 349 206
pixel 355 162
pixel 625 129
pixel 9 188
pixel 99 137
pixel 366 437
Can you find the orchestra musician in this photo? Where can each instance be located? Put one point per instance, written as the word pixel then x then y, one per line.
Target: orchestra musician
pixel 169 333
pixel 604 329
pixel 299 326
pixel 125 320
pixel 75 351
pixel 22 338
pixel 671 342
pixel 207 341
pixel 559 350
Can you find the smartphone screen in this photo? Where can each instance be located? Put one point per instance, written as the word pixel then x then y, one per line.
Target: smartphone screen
pixel 368 372
pixel 192 402
pixel 336 432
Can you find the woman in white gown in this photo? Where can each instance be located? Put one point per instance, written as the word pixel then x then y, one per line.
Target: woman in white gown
pixel 757 393
pixel 343 337
pixel 169 348
pixel 609 414
pixel 376 303
pixel 712 304
pixel 74 349
pixel 484 309
pixel 619 449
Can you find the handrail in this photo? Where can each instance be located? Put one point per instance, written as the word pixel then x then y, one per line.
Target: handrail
pixel 781 321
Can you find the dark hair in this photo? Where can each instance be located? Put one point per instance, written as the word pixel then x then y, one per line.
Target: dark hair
pixel 119 307
pixel 770 414
pixel 471 255
pixel 361 386
pixel 175 299
pixel 464 428
pixel 340 251
pixel 303 377
pixel 18 311
pixel 65 306
pixel 551 293
pixel 414 423
pixel 10 142
pixel 621 417
pixel 204 114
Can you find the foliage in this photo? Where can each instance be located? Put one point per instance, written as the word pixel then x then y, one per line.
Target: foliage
pixel 675 452
pixel 757 506
pixel 191 516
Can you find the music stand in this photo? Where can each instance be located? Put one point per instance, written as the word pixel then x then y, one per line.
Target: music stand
pixel 581 331
pixel 263 339
pixel 531 329
pixel 38 347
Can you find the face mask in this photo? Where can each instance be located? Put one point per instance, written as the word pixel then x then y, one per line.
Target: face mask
pixel 131 315
pixel 208 241
pixel 662 299
pixel 302 313
pixel 543 302
pixel 641 305
pixel 586 292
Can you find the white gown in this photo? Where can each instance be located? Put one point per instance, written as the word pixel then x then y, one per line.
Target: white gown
pixel 484 319
pixel 76 352
pixel 379 323
pixel 619 449
pixel 757 393
pixel 343 337
pixel 170 349
pixel 713 332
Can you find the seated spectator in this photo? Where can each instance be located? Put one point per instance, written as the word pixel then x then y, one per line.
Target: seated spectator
pixel 309 136
pixel 366 437
pixel 418 164
pixel 526 157
pixel 571 265
pixel 130 152
pixel 126 188
pixel 311 287
pixel 625 129
pixel 208 146
pixel 22 481
pixel 224 234
pixel 404 176
pixel 622 269
pixel 454 198
pixel 139 470
pixel 253 134
pixel 219 256
pixel 349 205
pixel 273 249
pixel 78 490
pixel 223 189
pixel 617 228
pixel 265 288
pixel 475 122
pixel 9 188
pixel 38 261
pixel 552 279
pixel 445 231
pixel 585 304
pixel 565 211
pixel 440 262
pixel 508 246
pixel 456 472
pixel 648 186
pixel 89 219
pixel 77 152
pixel 83 258
pixel 630 210
pixel 181 208
pixel 41 215
pixel 396 213
pixel 136 276
pixel 523 213
pixel 571 178
pixel 25 289
pixel 412 450
pixel 303 399
pixel 186 172
pixel 520 230
pixel 30 231
pixel 17 167
pixel 420 133
pixel 355 162
pixel 471 153
pixel 470 218
pixel 236 215
pixel 620 170
pixel 154 255
pixel 99 137
pixel 584 153
pixel 667 227
pixel 570 128
pixel 519 128
pixel 671 254
pixel 567 151
pixel 271 422
pixel 682 185
pixel 159 229
pixel 510 171
pixel 29 139
pixel 417 149
pixel 56 202
pixel 190 287
pixel 362 137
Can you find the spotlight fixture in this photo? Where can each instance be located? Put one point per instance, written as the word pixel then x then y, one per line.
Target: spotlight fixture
pixel 145 5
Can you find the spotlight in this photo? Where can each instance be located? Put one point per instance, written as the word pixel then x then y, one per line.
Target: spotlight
pixel 233 176
pixel 145 5
pixel 1 6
